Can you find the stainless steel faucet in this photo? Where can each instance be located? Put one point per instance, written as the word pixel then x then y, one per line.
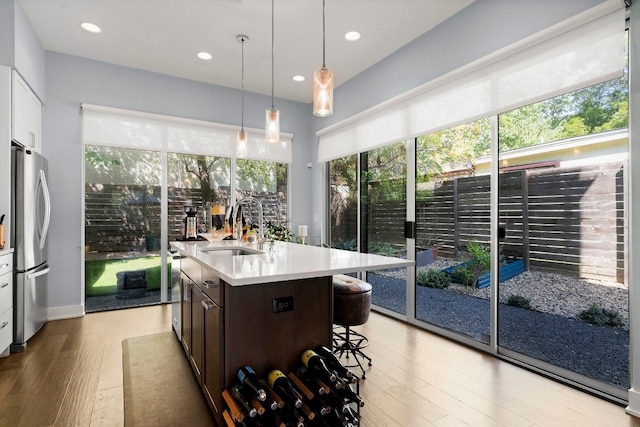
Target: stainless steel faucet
pixel 248 200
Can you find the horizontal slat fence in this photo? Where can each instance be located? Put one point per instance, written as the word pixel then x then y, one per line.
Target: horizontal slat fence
pixel 568 220
pixel 118 218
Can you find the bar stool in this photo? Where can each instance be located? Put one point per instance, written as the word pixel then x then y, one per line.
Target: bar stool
pixel 351 307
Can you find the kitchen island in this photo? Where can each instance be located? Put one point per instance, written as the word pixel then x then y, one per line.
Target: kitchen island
pixel 262 307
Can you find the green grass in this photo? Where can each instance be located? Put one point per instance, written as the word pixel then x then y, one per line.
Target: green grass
pixel 100 275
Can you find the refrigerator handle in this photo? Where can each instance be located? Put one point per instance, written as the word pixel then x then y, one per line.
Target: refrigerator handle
pixel 37 273
pixel 47 209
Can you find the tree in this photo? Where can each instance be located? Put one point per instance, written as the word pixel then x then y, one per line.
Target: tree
pixel 452 148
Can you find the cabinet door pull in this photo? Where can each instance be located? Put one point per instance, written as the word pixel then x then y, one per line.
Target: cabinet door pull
pixel 209 284
pixel 4 325
pixel 4 285
pixel 207 305
pixel 3 266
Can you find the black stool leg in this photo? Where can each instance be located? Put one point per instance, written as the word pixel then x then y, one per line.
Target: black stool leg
pixel 351 342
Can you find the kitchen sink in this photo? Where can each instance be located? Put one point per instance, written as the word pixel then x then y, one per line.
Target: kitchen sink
pixel 232 251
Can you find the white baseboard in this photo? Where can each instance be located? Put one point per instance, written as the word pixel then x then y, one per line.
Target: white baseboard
pixel 56 313
pixel 634 403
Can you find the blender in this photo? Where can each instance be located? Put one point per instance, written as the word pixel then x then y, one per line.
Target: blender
pixel 190 222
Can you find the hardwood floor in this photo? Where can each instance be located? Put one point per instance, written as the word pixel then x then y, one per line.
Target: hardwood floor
pixel 71 372
pixel 71 375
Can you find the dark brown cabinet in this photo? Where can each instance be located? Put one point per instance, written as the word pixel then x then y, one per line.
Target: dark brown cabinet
pixel 212 382
pixel 265 325
pixel 197 331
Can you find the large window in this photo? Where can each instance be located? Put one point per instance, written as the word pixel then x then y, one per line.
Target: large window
pixel 122 227
pixel 141 169
pixel 529 261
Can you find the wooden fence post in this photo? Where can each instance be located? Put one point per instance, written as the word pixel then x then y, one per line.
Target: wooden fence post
pixel 456 233
pixel 525 218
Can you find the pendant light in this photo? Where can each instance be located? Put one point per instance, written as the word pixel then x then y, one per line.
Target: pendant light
pixel 323 82
pixel 242 135
pixel 272 115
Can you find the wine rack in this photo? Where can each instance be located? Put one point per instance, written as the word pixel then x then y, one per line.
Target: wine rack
pixel 305 396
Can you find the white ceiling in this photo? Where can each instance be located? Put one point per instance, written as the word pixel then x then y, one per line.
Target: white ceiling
pixel 164 36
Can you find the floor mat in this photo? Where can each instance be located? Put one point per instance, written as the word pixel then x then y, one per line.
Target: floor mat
pixel 160 388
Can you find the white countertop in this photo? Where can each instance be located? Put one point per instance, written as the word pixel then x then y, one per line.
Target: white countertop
pixel 288 261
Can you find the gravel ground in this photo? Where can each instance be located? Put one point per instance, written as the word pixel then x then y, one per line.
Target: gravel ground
pixel 548 292
pixel 550 332
pixel 110 302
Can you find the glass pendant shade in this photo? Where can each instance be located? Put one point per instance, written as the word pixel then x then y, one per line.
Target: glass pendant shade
pixel 323 92
pixel 272 125
pixel 242 143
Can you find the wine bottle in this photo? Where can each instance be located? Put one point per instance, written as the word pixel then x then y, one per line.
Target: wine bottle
pixel 298 418
pixel 338 417
pixel 272 419
pixel 348 394
pixel 353 415
pixel 250 380
pixel 311 383
pixel 308 413
pixel 239 396
pixel 276 401
pixel 319 406
pixel 334 363
pixel 315 363
pixel 285 418
pixel 234 409
pixel 300 385
pixel 283 387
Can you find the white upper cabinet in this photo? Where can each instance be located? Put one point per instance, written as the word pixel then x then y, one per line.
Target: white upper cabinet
pixel 26 114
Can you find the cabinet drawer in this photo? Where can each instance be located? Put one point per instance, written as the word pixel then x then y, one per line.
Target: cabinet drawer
pixel 6 263
pixel 6 329
pixel 191 268
pixel 6 292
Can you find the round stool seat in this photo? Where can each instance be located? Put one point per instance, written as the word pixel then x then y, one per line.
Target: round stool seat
pixel 351 300
pixel 343 284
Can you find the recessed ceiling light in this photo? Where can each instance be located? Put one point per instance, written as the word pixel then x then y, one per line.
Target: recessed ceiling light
pixel 205 56
pixel 298 78
pixel 92 28
pixel 352 36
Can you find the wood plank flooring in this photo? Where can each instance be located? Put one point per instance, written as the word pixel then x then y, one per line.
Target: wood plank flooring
pixel 71 375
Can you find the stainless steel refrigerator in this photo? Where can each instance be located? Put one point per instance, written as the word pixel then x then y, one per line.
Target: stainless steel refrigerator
pixel 32 213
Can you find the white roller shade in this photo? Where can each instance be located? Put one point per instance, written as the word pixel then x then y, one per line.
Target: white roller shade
pixel 134 129
pixel 584 50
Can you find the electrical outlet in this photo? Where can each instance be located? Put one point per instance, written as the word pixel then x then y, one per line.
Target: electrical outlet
pixel 280 305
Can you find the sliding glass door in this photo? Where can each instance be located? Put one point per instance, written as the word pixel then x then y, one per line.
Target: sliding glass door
pixel 122 227
pixel 453 230
pixel 552 293
pixel 383 212
pixel 563 290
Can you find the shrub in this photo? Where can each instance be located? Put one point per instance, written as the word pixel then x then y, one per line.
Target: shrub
pixel 480 256
pixel 433 279
pixel 382 249
pixel 276 231
pixel 464 275
pixel 519 301
pixel 349 245
pixel 467 274
pixel 601 316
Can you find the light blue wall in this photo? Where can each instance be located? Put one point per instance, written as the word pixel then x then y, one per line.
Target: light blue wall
pixel 73 80
pixel 29 54
pixel 20 48
pixel 7 31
